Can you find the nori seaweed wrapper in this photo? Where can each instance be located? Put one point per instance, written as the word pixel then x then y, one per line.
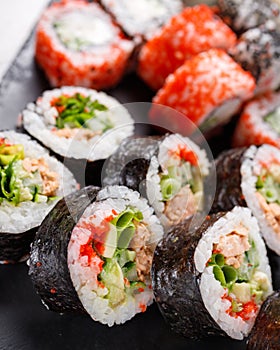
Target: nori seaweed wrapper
pixel 176 281
pixel 129 165
pixel 266 331
pixel 15 247
pixel 48 258
pixel 228 191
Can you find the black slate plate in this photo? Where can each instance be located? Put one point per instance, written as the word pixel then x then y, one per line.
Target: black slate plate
pixel 25 324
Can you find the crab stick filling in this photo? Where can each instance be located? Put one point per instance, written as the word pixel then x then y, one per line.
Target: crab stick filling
pixel 24 178
pixel 117 253
pixel 268 194
pixel 181 183
pixel 235 264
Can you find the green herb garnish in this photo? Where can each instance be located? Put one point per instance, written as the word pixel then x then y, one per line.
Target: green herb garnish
pixel 268 188
pixel 75 111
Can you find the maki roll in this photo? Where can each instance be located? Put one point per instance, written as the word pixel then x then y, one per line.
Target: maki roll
pixel 93 254
pixel 245 14
pixel 194 30
pixel 169 171
pixel 259 122
pixel 77 43
pixel 212 280
pixel 250 177
pixel 141 18
pixel 266 331
pixel 31 184
pixel 78 123
pixel 208 89
pixel 258 51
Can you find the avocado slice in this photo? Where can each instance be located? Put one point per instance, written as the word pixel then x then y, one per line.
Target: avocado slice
pixel 110 242
pixel 112 277
pixel 7 153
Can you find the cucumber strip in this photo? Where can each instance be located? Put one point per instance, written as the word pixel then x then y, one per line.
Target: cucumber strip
pixel 169 188
pixel 125 236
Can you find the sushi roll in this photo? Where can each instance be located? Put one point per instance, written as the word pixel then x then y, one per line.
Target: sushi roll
pixel 258 51
pixel 266 331
pixel 93 254
pixel 250 177
pixel 77 43
pixel 208 89
pixel 31 184
pixel 78 124
pixel 212 280
pixel 140 19
pixel 194 30
pixel 246 14
pixel 259 122
pixel 169 171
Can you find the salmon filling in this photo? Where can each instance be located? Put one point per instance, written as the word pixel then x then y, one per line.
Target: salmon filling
pixel 181 184
pixel 23 178
pixel 122 259
pixel 268 194
pixel 235 264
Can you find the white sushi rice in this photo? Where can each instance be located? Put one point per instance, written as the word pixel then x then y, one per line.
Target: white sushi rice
pixel 26 215
pixel 164 160
pixel 142 17
pixel 84 277
pixel 39 121
pixel 250 169
pixel 211 290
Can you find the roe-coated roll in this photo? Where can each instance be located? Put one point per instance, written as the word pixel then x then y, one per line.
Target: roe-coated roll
pixel 94 252
pixel 213 279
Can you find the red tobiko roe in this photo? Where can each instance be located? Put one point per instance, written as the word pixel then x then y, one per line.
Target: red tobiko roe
pixel 96 237
pixel 188 155
pixel 247 309
pixel 88 250
pixel 4 142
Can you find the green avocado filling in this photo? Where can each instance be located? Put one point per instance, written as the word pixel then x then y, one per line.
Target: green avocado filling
pixel 269 187
pixel 244 284
pixel 179 176
pixel 16 184
pixel 119 274
pixel 273 119
pixel 78 111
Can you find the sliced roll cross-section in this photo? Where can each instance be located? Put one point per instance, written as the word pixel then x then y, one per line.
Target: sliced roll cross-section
pixel 79 123
pixel 77 43
pixel 169 171
pixel 31 184
pixel 106 253
pixel 259 122
pixel 250 177
pixel 208 89
pixel 212 280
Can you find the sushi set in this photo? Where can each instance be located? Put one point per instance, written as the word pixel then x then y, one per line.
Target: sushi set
pixel 140 178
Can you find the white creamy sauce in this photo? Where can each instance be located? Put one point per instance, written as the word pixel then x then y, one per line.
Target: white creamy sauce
pixel 145 10
pixel 80 30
